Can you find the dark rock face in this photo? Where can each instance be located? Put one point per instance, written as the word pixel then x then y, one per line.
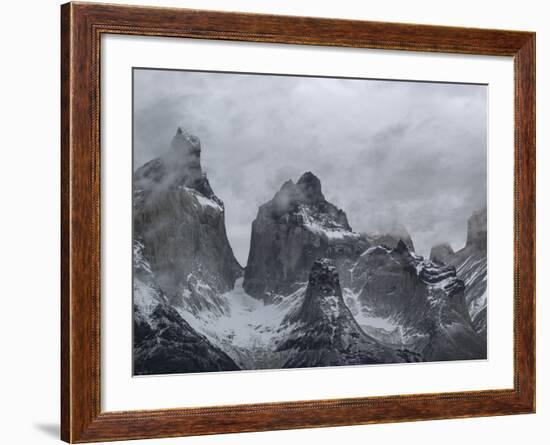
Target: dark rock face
pixel 290 232
pixel 387 281
pixel 422 300
pixel 441 253
pixel 323 295
pixel 325 332
pixel 164 343
pixel 181 224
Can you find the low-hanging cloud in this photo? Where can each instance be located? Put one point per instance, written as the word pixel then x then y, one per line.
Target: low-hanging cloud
pixel 386 152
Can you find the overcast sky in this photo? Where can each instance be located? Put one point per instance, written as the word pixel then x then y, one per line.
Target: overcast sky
pixel 386 152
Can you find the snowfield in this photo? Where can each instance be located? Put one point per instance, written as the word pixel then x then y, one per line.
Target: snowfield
pixel 249 327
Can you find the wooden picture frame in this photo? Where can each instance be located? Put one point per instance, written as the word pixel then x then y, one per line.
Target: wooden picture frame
pixel 82 25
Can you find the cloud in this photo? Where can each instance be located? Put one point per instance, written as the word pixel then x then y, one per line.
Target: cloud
pixel 385 151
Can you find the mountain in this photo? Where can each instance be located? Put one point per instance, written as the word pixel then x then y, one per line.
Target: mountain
pixel 164 343
pixel 402 299
pixel 290 232
pixel 181 224
pixel 183 262
pixel 324 332
pixel 313 293
pixel 389 304
pixel 471 267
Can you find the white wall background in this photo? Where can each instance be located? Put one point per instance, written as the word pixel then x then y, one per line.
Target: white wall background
pixel 29 222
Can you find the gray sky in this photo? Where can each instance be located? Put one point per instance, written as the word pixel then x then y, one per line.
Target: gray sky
pixel 385 151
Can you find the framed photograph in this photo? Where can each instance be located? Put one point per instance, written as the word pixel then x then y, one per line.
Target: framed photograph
pixel 274 222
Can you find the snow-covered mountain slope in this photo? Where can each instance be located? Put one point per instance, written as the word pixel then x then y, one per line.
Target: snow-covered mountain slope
pixel 164 342
pixel 248 329
pixel 291 231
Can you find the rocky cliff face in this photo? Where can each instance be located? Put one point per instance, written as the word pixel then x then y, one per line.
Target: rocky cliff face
pixel 323 330
pixel 471 266
pixel 402 299
pixel 290 232
pixel 181 224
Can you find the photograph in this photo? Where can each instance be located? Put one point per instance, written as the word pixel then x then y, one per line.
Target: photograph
pixel 284 221
pixel 281 222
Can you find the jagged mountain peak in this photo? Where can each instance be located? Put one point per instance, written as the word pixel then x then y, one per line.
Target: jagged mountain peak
pixel 179 167
pixel 307 191
pixel 309 177
pixel 291 231
pixel 288 184
pixel 324 330
pixel 175 208
pixel 182 135
pixel 323 294
pixel 310 185
pixel 185 153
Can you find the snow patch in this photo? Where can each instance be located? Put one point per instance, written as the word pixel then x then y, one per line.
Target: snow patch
pixel 146 298
pixel 324 226
pixel 202 200
pixel 363 316
pixel 206 202
pixel 331 307
pixel 139 260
